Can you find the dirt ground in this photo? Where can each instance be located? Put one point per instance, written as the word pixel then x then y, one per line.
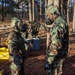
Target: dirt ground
pixel 34 64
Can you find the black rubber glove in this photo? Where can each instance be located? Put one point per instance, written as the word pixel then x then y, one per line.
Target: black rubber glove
pixel 47 66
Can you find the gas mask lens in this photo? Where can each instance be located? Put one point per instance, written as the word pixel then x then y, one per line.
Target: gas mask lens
pixel 48 21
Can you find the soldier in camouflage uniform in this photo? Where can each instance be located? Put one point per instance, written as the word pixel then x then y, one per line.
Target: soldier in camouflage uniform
pixel 58 41
pixel 34 28
pixel 16 47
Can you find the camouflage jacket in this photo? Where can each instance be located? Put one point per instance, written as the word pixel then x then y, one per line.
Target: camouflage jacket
pixel 24 34
pixel 59 35
pixel 34 27
pixel 16 44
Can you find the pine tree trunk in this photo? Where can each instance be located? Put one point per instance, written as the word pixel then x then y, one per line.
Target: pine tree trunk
pixel 5 8
pixel 33 9
pixel 46 4
pixel 40 10
pixel 68 3
pixel 74 18
pixel 2 10
pixel 30 17
pixel 50 2
pixel 61 6
pixel 56 3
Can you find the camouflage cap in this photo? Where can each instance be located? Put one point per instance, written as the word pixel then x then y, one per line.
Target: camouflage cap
pixel 52 9
pixel 14 20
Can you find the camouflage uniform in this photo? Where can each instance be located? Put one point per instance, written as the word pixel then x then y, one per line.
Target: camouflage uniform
pixel 25 34
pixel 58 45
pixel 16 49
pixel 34 29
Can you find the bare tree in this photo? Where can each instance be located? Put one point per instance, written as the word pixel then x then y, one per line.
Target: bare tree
pixel 50 2
pixel 40 10
pixel 33 8
pixel 68 3
pixel 74 18
pixel 46 4
pixel 2 10
pixel 56 3
pixel 30 17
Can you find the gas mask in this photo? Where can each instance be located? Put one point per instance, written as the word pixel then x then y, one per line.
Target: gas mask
pixel 23 27
pixel 48 21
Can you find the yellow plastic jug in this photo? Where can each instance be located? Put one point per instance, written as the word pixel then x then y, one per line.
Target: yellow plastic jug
pixel 1 72
pixel 4 54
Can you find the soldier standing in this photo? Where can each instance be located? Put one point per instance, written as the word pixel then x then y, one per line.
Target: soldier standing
pixel 16 47
pixel 58 44
pixel 34 27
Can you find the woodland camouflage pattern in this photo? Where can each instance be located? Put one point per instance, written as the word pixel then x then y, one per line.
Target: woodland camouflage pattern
pixel 51 9
pixel 58 45
pixel 16 49
pixel 34 29
pixel 58 42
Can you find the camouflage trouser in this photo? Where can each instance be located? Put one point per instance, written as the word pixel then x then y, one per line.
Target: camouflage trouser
pixel 57 70
pixel 17 69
